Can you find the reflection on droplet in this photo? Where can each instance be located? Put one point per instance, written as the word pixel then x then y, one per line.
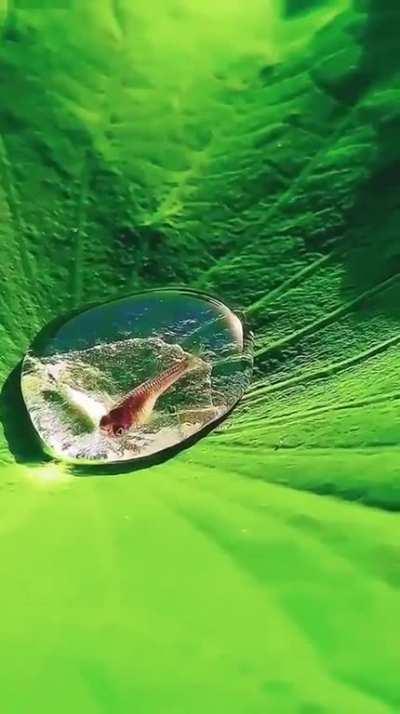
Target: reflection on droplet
pixel 135 376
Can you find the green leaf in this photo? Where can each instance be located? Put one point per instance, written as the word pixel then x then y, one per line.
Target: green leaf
pixel 250 150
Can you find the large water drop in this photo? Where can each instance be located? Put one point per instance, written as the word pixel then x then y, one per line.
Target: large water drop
pixel 135 376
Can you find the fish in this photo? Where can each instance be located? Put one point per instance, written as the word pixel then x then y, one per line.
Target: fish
pixel 136 408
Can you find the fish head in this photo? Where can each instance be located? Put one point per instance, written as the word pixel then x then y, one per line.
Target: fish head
pixel 113 424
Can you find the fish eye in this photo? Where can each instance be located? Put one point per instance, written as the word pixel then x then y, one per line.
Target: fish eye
pixel 119 431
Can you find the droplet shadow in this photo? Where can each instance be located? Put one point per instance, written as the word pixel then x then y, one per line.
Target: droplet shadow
pixel 20 435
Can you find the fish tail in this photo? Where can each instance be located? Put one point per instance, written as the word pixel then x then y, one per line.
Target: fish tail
pixel 194 361
pixel 166 379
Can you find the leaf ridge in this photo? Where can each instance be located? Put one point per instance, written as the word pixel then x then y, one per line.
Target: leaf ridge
pixel 327 319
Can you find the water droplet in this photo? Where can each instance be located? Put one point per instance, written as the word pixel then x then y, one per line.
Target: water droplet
pixel 132 377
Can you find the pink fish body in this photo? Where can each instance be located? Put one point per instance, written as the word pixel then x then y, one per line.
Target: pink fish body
pixel 136 408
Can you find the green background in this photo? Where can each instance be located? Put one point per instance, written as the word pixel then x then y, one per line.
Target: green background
pixel 249 149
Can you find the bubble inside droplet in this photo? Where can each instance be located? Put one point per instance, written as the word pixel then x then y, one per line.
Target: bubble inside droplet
pixel 133 377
